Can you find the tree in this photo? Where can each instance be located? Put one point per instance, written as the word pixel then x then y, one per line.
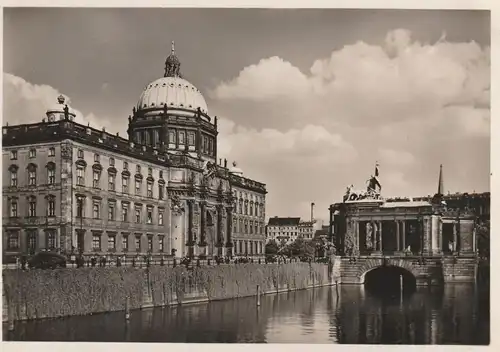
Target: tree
pixel 271 248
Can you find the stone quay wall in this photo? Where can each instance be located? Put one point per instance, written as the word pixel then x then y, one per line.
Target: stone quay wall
pixel 37 294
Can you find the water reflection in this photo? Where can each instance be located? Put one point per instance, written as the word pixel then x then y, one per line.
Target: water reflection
pixel 457 314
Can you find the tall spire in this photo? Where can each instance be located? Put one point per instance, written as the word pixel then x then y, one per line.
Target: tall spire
pixel 172 51
pixel 440 182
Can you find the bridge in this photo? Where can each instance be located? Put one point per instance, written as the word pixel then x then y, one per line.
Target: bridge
pixel 414 270
pixel 425 241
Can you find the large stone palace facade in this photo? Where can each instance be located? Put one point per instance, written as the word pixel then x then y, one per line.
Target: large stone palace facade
pixel 161 191
pixel 366 224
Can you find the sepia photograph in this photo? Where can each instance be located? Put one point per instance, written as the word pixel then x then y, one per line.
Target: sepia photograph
pixel 246 175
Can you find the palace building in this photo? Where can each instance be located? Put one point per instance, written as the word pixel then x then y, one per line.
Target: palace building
pixel 73 188
pixel 366 224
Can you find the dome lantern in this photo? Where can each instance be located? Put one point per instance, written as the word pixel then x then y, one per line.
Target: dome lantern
pixel 60 111
pixel 172 64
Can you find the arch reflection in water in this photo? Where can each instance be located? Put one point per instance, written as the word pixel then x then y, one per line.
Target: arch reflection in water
pixel 353 316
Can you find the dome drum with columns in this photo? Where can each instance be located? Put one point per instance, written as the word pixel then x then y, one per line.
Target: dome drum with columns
pixel 172 115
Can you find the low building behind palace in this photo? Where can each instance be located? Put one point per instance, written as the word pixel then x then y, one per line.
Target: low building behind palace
pixel 288 229
pixel 365 223
pixel 73 188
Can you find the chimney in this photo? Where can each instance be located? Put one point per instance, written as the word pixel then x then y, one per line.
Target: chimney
pixel 312 212
pixel 440 182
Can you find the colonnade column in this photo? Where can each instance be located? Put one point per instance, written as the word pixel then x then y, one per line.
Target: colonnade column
pixel 379 226
pixel 403 233
pixel 229 242
pixel 190 240
pixel 202 244
pixel 398 242
pixel 220 230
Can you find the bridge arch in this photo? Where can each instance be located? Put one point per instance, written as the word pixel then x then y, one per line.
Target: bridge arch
pixel 372 264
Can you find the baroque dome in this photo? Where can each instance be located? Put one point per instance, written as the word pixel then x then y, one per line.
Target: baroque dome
pixel 176 92
pixel 171 90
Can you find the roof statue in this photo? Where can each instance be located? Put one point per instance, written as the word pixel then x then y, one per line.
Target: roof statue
pixel 372 190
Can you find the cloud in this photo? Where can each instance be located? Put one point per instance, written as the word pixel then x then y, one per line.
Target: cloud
pixel 25 102
pixel 410 105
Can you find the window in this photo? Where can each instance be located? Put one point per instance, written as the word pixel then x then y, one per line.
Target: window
pixel 13 240
pixel 13 155
pixel 251 227
pixel 32 176
pixel 137 215
pixel 80 179
pixel 125 184
pixel 138 169
pixel 149 219
pixel 52 151
pixel 125 165
pixel 160 192
pixel 96 158
pixel 13 208
pixel 150 190
pixel 160 243
pixel 246 209
pixel 32 236
pixel 51 239
pixel 111 182
pixel 96 242
pixel 51 207
pixel 32 207
pixel 13 178
pixel 161 174
pixel 32 153
pixel 138 243
pixel 182 137
pixel 111 161
pixel 190 138
pixel 125 242
pixel 79 207
pixel 111 211
pixel 138 186
pixel 96 179
pixel 150 171
pixel 96 209
pixel 124 212
pixel 150 243
pixel 160 218
pixel 80 154
pixel 51 176
pixel 111 242
pixel 171 137
pixel 251 209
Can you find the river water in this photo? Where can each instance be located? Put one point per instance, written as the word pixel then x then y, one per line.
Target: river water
pixel 455 314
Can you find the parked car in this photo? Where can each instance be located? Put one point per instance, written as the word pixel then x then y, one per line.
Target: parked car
pixel 47 260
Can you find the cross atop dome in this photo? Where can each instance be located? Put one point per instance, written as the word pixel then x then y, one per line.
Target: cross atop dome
pixel 172 64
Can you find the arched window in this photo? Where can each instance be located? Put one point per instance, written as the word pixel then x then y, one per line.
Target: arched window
pixel 31 206
pixel 51 173
pixel 31 175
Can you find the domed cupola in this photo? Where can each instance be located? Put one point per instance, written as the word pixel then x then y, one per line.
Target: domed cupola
pixel 60 111
pixel 172 91
pixel 171 115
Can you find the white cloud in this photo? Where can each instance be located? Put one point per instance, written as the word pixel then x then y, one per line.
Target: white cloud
pixel 410 105
pixel 25 102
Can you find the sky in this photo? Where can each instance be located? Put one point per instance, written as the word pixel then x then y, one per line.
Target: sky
pixel 307 100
